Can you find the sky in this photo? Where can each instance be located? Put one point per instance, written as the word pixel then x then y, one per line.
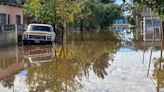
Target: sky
pixel 119 2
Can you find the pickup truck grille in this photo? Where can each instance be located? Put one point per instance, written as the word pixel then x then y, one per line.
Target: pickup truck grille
pixel 37 37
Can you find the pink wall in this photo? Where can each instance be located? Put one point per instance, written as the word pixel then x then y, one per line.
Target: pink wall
pixel 12 11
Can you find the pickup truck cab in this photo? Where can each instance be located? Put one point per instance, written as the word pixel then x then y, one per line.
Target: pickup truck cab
pixel 39 33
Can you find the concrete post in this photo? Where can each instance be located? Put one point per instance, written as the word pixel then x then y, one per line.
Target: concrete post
pixel 16 33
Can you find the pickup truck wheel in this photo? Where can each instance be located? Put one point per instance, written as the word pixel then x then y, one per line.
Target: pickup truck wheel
pixel 25 42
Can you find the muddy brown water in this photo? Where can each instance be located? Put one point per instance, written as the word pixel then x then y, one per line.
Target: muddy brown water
pixel 81 66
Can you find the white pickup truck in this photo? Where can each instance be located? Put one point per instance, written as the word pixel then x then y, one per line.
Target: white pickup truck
pixel 39 33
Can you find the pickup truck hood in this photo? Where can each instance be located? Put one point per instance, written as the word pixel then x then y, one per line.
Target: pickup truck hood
pixel 37 32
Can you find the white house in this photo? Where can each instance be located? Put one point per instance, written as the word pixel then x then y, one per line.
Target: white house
pixel 148 24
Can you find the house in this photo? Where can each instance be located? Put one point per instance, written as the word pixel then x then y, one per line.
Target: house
pixel 11 18
pixel 150 25
pixel 10 14
pixel 120 25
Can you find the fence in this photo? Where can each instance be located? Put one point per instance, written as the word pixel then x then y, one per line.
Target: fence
pixel 10 34
pixel 20 29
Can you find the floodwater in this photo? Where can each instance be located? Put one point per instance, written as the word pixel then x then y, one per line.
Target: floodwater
pixel 82 66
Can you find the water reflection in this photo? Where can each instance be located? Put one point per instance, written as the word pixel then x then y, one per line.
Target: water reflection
pixel 82 66
pixel 72 62
pixel 158 74
pixel 158 71
pixel 54 68
pixel 9 65
pixel 36 54
pixel 15 59
pixel 158 64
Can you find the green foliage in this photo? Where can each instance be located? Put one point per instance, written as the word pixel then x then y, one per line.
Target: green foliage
pixel 90 13
pixel 107 1
pixel 99 15
pixel 131 20
pixel 111 12
pixel 20 1
pixel 53 11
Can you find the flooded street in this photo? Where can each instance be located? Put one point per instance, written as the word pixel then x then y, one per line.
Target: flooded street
pixel 81 66
pixel 81 45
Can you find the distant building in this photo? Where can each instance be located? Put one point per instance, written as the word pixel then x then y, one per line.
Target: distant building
pixel 121 25
pixel 11 14
pixel 146 26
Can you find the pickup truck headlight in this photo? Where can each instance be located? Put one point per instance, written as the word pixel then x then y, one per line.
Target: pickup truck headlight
pixel 49 38
pixel 25 36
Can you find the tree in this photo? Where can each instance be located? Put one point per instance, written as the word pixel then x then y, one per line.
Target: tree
pixel 99 15
pixel 111 12
pixel 107 1
pixel 53 11
pixel 20 1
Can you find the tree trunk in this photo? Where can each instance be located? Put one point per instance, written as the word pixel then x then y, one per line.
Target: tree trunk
pixel 81 24
pixel 81 29
pixel 162 43
pixel 61 28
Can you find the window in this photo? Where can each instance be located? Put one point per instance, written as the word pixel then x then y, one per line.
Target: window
pixel 40 28
pixel 9 19
pixel 148 23
pixel 18 19
pixel 157 31
pixel 148 10
pixel 142 27
pixel 155 22
pixel 2 18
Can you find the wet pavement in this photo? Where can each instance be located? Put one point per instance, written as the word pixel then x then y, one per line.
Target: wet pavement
pixel 82 66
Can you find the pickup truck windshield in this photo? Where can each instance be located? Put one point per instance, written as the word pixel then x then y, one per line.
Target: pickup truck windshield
pixel 40 28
